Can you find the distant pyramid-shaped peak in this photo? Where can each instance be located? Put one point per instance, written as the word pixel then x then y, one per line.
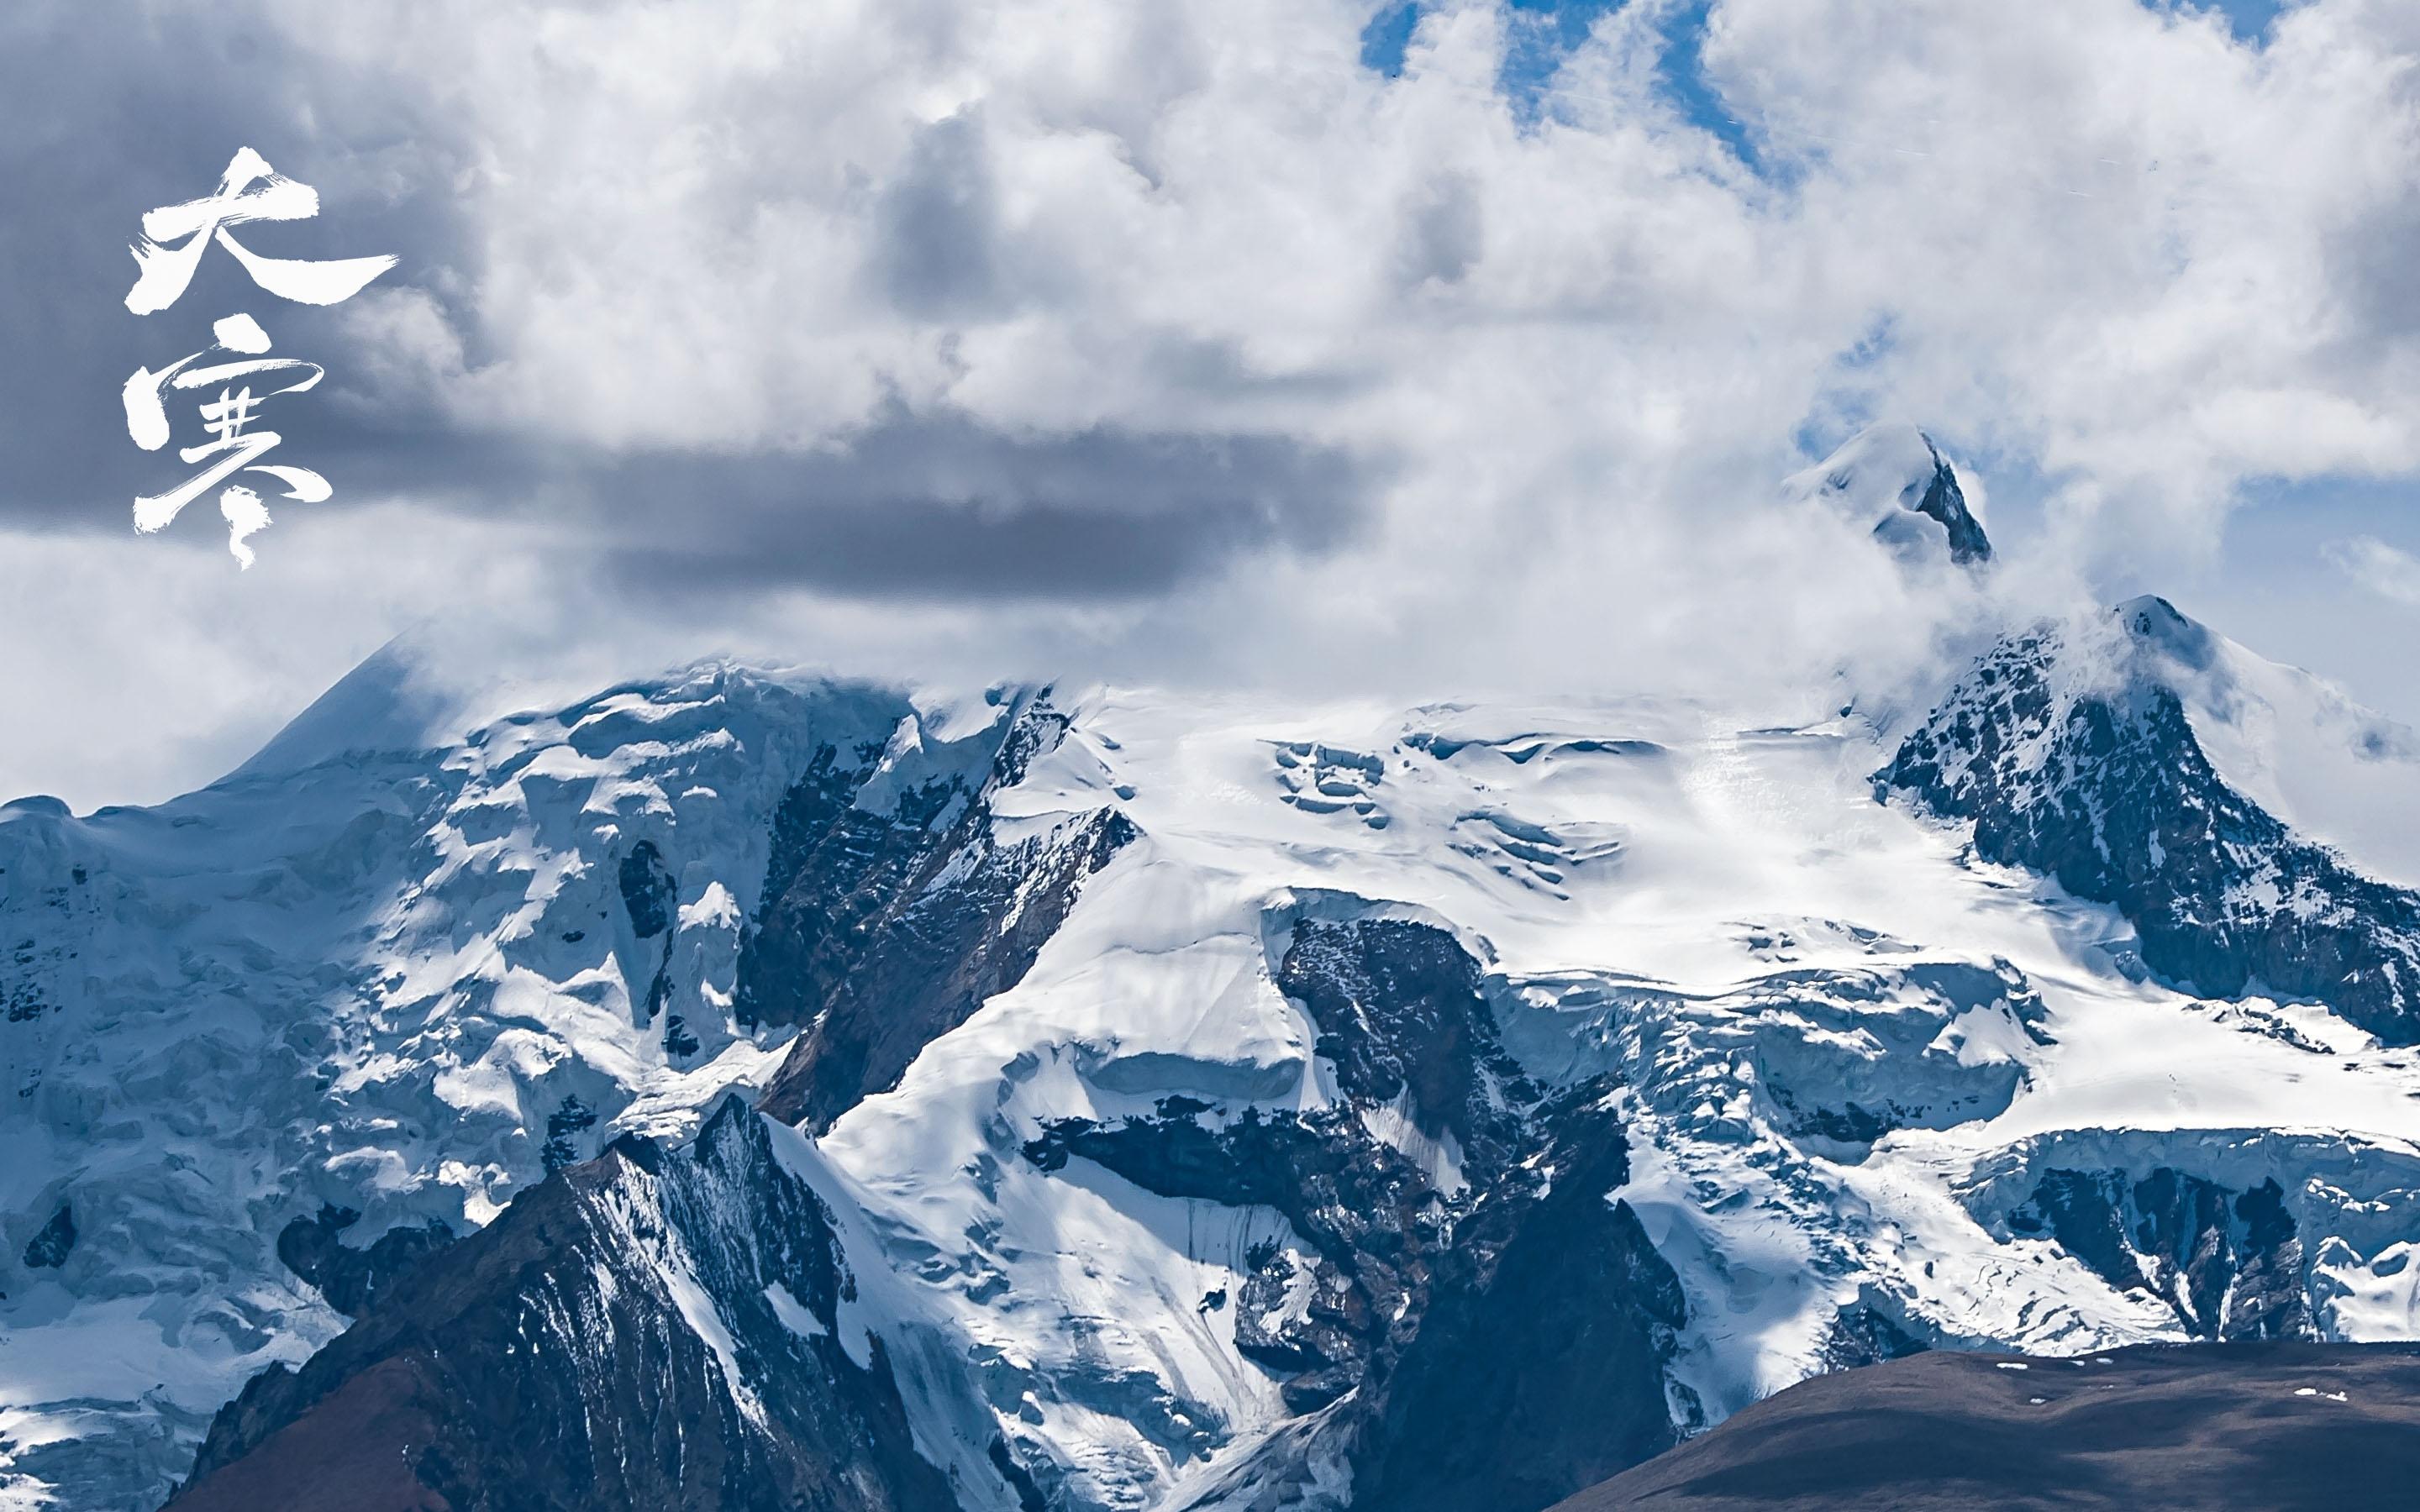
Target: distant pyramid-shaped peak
pixel 1893 474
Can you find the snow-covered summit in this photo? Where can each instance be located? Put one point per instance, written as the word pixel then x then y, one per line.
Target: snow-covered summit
pixel 2295 744
pixel 390 703
pixel 2147 762
pixel 1891 478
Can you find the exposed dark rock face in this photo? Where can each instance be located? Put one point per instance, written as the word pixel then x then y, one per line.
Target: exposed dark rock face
pixel 22 1000
pixel 1864 1334
pixel 49 1246
pixel 1371 1216
pixel 1029 1495
pixel 563 1127
pixel 2213 1427
pixel 2106 789
pixel 1501 1327
pixel 835 864
pixel 651 898
pixel 2229 1263
pixel 1944 500
pixel 1539 1364
pixel 678 1042
pixel 647 893
pixel 1401 1015
pixel 351 1279
pixel 881 931
pixel 557 1360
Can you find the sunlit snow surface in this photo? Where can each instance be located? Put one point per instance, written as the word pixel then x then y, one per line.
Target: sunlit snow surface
pixel 1630 855
pixel 358 982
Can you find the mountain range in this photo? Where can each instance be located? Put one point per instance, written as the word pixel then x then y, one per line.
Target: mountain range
pixel 749 1088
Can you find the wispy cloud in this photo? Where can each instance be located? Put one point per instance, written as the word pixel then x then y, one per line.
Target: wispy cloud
pixel 2382 569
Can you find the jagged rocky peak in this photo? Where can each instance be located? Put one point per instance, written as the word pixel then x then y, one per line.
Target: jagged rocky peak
pixel 2126 766
pixel 1894 476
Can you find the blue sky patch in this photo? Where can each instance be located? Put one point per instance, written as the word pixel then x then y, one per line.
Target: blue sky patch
pixel 2247 19
pixel 1539 35
pixel 1684 79
pixel 1388 35
pixel 1542 33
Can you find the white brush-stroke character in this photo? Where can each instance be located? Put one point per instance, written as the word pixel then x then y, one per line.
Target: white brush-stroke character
pixel 234 445
pixel 249 191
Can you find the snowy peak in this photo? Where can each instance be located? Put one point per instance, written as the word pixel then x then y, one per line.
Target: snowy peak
pixel 1893 476
pixel 2136 759
pixel 2297 744
pixel 2157 624
pixel 388 704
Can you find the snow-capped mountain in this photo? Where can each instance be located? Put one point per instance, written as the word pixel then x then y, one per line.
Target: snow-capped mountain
pixel 2093 755
pixel 804 1093
pixel 1892 479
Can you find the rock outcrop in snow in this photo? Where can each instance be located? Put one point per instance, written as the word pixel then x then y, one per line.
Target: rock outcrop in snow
pixel 881 930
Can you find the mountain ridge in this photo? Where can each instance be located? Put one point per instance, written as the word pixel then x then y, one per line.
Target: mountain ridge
pixel 1212 1103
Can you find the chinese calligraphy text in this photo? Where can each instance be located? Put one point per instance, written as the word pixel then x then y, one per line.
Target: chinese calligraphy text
pixel 249 191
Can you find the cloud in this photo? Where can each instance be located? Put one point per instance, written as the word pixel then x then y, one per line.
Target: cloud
pixel 937 225
pixel 1176 341
pixel 937 506
pixel 146 110
pixel 2377 567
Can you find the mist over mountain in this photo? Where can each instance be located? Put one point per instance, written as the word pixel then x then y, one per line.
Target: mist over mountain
pixel 746 1088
